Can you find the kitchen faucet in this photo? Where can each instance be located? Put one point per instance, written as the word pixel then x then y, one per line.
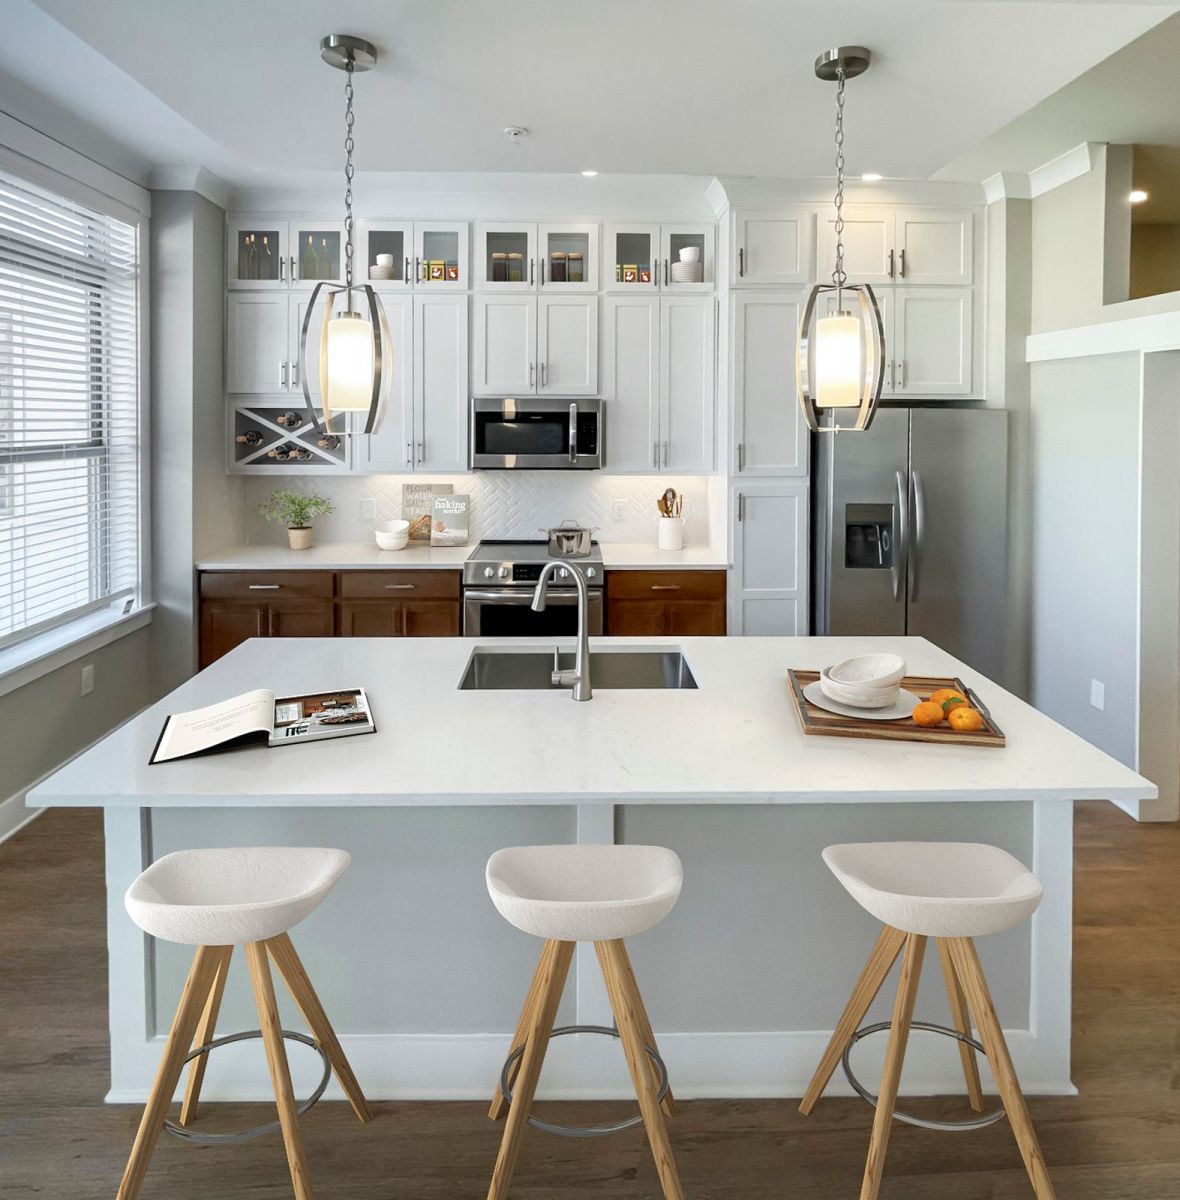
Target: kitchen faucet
pixel 579 677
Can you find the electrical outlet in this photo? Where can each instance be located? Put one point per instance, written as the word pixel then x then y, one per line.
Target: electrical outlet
pixel 368 509
pixel 1097 694
pixel 619 509
pixel 87 679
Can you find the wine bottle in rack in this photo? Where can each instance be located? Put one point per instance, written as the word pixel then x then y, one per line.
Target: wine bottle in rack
pixel 328 441
pixel 289 420
pixel 250 438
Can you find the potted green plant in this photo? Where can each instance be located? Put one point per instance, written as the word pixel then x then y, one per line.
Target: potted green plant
pixel 296 511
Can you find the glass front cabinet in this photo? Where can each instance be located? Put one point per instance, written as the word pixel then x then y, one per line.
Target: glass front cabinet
pixel 514 257
pixel 440 256
pixel 649 258
pixel 265 253
pixel 385 254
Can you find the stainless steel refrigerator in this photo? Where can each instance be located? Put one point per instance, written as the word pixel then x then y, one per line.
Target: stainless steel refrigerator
pixel 909 534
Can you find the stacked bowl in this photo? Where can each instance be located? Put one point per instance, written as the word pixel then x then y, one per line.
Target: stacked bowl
pixel 867 681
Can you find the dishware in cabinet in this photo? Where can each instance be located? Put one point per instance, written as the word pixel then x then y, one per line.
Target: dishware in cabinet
pixel 441 255
pixel 681 248
pixel 385 254
pixel 673 258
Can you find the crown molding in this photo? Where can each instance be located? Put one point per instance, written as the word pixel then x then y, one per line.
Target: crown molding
pixel 1065 168
pixel 191 179
pixel 1006 185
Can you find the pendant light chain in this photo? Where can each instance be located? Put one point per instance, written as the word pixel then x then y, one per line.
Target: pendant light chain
pixel 839 278
pixel 348 173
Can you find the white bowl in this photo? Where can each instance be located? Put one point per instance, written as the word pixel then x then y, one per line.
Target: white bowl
pixel 858 695
pixel 690 254
pixel 874 670
pixel 392 535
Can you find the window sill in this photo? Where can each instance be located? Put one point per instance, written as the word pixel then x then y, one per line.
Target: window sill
pixel 26 661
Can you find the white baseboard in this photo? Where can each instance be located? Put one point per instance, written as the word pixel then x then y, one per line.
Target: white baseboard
pixel 14 815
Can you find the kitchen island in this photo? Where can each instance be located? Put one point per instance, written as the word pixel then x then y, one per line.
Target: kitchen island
pixel 746 977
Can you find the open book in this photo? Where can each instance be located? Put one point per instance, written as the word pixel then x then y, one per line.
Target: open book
pixel 260 715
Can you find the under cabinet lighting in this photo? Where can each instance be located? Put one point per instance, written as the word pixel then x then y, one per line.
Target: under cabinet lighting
pixel 1137 196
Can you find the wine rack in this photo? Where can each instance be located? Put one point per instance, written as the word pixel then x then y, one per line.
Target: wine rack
pixel 277 440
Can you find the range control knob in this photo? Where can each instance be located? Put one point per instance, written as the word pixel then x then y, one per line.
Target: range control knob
pixel 590 572
pixel 488 573
pixel 563 573
pixel 505 572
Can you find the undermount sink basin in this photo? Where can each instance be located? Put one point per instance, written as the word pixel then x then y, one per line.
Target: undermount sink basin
pixel 494 669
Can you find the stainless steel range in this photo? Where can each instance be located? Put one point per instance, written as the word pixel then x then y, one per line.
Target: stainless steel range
pixel 499 578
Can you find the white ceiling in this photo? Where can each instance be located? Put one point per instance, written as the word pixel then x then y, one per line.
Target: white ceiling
pixel 695 87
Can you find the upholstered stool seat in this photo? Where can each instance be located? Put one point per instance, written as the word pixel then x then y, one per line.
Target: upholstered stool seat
pixel 569 894
pixel 939 889
pixel 584 893
pixel 231 897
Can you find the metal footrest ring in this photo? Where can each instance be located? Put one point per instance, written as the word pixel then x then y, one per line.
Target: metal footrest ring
pixel 979 1122
pixel 230 1139
pixel 584 1131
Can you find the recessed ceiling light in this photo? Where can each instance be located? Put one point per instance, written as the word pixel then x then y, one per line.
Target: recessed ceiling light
pixel 872 177
pixel 1137 196
pixel 589 174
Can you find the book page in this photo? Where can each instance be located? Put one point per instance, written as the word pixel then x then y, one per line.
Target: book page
pixel 321 715
pixel 203 728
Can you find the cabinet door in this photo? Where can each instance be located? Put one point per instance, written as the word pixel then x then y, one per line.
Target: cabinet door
pixel 630 387
pixel 869 245
pixel 632 258
pixel 935 246
pixel 674 239
pixel 316 251
pixel 566 252
pixel 884 296
pixel 772 247
pixel 567 345
pixel 226 625
pixel 505 257
pixel 256 253
pixel 769 431
pixel 257 352
pixel 296 314
pixel 705 618
pixel 430 618
pixel 300 618
pixel 769 538
pixel 932 341
pixel 687 409
pixel 386 237
pixel 505 346
pixel 440 383
pixel 440 256
pixel 370 618
pixel 636 618
pixel 389 448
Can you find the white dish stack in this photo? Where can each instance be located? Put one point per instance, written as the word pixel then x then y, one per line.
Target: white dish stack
pixel 689 268
pixel 867 681
pixel 384 268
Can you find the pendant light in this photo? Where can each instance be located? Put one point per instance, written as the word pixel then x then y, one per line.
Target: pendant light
pixel 840 356
pixel 355 364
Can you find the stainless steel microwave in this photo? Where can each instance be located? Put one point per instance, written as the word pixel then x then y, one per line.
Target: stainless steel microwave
pixel 536 433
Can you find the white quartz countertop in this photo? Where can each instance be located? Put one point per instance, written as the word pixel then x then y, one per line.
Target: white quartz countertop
pixel 733 739
pixel 339 556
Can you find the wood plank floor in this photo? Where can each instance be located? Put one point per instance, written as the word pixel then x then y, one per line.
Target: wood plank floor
pixel 1118 1140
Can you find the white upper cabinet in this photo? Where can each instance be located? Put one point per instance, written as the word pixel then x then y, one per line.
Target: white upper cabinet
pixel 912 246
pixel 774 247
pixel 316 251
pixel 631 382
pixel 687 412
pixel 567 345
pixel 632 258
pixel 257 345
pixel 441 256
pixel 440 383
pixel 770 435
pixel 390 447
pixel 567 258
pixel 256 253
pixel 869 254
pixel 932 341
pixel 505 346
pixel 392 240
pixel 505 256
pixel 646 258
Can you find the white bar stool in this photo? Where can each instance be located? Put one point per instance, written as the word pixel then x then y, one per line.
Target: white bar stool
pixel 569 894
pixel 953 892
pixel 216 900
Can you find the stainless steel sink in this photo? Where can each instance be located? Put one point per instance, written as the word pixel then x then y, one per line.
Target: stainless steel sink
pixel 496 669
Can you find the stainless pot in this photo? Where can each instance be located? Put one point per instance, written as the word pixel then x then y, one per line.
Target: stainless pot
pixel 569 539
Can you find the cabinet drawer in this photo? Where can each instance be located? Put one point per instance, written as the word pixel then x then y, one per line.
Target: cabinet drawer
pixel 266 585
pixel 399 585
pixel 670 586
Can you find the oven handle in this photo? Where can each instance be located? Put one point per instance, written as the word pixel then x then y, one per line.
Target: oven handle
pixel 574 432
pixel 525 596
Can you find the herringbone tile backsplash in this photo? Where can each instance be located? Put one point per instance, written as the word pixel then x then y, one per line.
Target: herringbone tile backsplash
pixel 504 504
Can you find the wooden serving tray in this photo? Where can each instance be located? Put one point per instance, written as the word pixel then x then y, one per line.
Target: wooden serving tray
pixel 828 724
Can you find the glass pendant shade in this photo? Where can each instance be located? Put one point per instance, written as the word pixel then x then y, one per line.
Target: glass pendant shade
pixel 840 359
pixel 348 364
pixel 838 371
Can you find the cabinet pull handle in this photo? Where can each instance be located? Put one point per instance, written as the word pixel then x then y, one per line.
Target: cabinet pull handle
pixel 295 374
pixel 901 372
pixel 741 506
pixel 265 587
pixel 418 268
pixel 283 374
pixel 665 587
pixel 890 264
pixel 532 373
pixel 665 272
pixel 294 273
pixel 282 269
pixel 655 454
pixel 902 263
pixel 270 622
pixel 261 631
pixel 741 262
pixel 421 453
pixel 741 453
pixel 667 455
pixel 406 271
pixel 532 271
pixel 400 587
pixel 544 374
pixel 410 453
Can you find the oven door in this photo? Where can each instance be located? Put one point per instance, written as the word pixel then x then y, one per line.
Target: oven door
pixel 512 434
pixel 507 612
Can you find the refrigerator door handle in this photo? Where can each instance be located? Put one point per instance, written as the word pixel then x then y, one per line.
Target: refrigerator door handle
pixel 901 535
pixel 919 533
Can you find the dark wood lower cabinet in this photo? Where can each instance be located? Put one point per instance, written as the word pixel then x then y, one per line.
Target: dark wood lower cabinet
pixel 665 603
pixel 400 618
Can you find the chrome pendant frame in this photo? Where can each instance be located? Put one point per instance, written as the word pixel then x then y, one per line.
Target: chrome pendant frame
pixel 874 359
pixel 379 326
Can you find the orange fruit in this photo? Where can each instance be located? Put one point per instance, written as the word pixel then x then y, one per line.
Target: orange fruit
pixel 964 720
pixel 947 698
pixel 928 713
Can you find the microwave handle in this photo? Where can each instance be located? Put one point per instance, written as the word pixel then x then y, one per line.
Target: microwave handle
pixel 574 432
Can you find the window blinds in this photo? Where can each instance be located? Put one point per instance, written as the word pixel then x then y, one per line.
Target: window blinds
pixel 69 410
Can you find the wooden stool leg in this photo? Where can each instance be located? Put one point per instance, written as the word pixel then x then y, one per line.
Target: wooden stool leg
pixel 899 1033
pixel 536 1042
pixel 204 1035
pixel 280 1072
pixel 881 959
pixel 961 1020
pixel 614 972
pixel 299 985
pixel 499 1106
pixel 627 976
pixel 180 1040
pixel 966 961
